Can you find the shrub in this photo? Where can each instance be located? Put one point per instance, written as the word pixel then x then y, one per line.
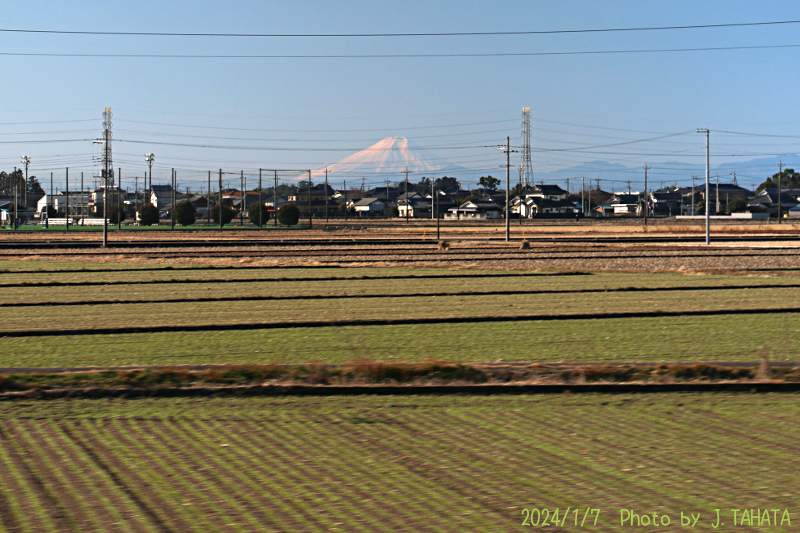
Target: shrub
pixel 185 213
pixel 148 215
pixel 289 214
pixel 392 212
pixel 227 214
pixel 252 214
pixel 738 205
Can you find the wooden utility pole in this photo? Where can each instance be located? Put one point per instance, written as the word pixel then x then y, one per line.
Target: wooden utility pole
pixel 326 195
pixel 275 199
pixel 208 202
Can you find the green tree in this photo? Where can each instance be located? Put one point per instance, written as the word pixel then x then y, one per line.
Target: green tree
pixel 252 214
pixel 789 179
pixel 737 205
pixel 115 216
pixel 392 212
pixel 289 214
pixel 227 214
pixel 700 207
pixel 472 198
pixel 489 182
pixel 185 213
pixel 148 215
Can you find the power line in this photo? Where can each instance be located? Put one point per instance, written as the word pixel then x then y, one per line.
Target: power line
pixel 401 56
pixel 413 34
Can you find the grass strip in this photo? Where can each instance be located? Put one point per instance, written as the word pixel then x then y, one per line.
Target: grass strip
pixel 407 295
pixel 390 322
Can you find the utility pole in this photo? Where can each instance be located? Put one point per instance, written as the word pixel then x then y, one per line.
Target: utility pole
pixel 780 207
pixel 583 199
pixel 107 169
pixel 119 199
pixel 716 210
pixel 208 203
pixel 646 199
pixel 326 195
pixel 83 210
pixel 260 203
pixel 16 197
pixel 244 200
pixel 507 150
pixel 344 186
pixel 708 187
pixel 436 196
pixel 693 178
pixel 174 197
pixel 219 204
pixel 66 197
pixel 26 160
pixel 408 199
pixel 310 224
pixel 275 199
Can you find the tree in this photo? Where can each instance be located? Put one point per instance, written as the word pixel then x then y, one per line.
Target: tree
pixel 489 182
pixel 50 211
pixel 185 213
pixel 700 207
pixel 288 214
pixel 789 179
pixel 472 198
pixel 737 205
pixel 252 214
pixel 447 185
pixel 148 215
pixel 392 212
pixel 227 214
pixel 115 216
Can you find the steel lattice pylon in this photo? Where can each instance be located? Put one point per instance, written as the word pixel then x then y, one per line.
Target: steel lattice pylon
pixel 525 166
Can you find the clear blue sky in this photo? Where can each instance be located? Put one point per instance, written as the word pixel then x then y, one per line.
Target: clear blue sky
pixel 309 112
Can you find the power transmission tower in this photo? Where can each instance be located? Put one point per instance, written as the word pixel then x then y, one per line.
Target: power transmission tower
pixel 525 166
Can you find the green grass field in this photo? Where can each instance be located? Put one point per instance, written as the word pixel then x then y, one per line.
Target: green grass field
pixel 440 464
pixel 341 295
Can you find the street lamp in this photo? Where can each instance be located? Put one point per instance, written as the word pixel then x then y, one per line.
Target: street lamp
pixel 149 158
pixel 26 160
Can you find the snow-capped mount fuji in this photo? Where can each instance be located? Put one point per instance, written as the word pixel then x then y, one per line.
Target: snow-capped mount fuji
pixel 389 159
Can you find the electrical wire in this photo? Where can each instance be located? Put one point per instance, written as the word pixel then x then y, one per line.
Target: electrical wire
pixel 415 34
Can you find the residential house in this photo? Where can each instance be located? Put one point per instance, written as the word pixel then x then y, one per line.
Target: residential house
pixel 474 210
pixel 370 207
pixel 412 205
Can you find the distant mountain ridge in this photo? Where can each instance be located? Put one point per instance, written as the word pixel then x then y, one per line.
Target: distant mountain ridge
pixel 390 157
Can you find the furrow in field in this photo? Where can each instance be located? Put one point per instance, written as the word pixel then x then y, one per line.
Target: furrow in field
pixel 312 451
pixel 165 476
pixel 234 469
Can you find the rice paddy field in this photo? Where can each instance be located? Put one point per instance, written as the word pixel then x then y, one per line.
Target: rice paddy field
pixel 422 463
pixel 369 463
pixel 117 315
